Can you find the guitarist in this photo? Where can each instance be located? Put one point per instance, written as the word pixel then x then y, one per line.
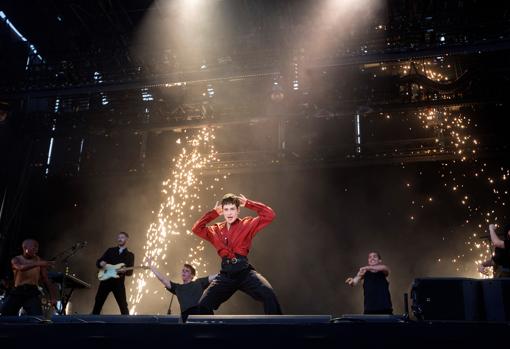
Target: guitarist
pixel 115 255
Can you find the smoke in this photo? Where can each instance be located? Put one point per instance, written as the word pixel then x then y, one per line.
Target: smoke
pixel 96 213
pixel 327 219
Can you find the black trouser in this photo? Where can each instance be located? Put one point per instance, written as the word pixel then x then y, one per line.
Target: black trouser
pixel 119 291
pixel 26 296
pixel 246 280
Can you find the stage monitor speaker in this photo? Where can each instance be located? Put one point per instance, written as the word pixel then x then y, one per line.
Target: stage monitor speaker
pixel 24 319
pixel 370 318
pixel 496 299
pixel 259 319
pixel 116 319
pixel 455 299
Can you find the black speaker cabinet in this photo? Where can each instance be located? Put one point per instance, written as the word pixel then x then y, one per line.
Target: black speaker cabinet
pixel 370 318
pixel 450 299
pixel 496 298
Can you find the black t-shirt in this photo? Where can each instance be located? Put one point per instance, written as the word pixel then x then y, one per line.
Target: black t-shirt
pixel 377 293
pixel 189 294
pixel 502 255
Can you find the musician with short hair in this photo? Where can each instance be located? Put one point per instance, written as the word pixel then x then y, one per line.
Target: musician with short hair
pixel 189 292
pixel 113 256
pixel 29 271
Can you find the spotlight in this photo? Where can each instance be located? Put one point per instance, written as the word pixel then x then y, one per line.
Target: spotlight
pixel 277 94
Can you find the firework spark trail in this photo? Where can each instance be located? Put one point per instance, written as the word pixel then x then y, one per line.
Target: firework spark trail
pixel 453 130
pixel 182 191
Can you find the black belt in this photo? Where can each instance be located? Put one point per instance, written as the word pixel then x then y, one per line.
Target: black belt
pixel 234 264
pixel 234 260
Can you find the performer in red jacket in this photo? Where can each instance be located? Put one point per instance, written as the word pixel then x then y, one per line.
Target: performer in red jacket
pixel 232 239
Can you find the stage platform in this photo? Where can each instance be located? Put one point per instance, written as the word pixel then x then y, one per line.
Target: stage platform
pixel 246 331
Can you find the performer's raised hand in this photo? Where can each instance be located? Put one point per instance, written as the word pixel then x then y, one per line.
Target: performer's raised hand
pixel 150 263
pixel 218 208
pixel 492 227
pixel 350 282
pixel 242 200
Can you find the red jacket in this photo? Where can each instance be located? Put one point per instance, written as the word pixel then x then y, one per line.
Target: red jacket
pixel 236 240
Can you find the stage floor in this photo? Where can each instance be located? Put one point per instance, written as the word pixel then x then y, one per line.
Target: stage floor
pixel 306 331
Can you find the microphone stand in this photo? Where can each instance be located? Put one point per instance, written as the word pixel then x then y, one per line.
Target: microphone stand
pixel 64 299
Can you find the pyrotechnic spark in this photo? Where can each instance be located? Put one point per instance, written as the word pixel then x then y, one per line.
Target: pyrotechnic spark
pixel 454 133
pixel 182 193
pixel 454 130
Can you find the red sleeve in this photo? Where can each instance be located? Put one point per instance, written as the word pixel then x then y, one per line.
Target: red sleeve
pixel 265 216
pixel 200 227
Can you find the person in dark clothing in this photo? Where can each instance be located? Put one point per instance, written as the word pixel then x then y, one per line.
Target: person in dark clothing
pixel 232 239
pixel 377 298
pixel 189 292
pixel 501 258
pixel 115 255
pixel 500 263
pixel 29 270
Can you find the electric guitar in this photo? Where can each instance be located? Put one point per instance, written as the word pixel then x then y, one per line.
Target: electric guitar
pixel 111 271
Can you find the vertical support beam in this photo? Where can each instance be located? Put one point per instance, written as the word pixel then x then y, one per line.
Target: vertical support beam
pixel 282 140
pixel 82 143
pixel 2 208
pixel 357 132
pixel 143 149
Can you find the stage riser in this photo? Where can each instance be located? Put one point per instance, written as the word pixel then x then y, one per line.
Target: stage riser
pixel 260 336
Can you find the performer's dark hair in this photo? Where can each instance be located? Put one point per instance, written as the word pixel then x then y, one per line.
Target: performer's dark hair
pixel 125 234
pixel 230 199
pixel 190 267
pixel 377 253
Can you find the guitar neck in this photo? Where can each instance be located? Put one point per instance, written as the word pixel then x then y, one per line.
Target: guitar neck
pixel 137 267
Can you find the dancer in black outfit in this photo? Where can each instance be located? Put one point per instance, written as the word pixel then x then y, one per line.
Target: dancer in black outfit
pixel 377 299
pixel 502 251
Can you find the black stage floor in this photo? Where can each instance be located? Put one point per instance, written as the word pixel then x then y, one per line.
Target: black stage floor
pixel 86 331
